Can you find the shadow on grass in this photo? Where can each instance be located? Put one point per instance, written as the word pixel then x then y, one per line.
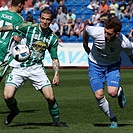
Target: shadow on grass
pixel 107 125
pixel 32 124
pixel 37 125
pixel 24 111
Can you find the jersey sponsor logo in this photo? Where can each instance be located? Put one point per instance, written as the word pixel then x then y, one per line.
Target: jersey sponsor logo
pixel 36 36
pixel 114 82
pixel 6 16
pixel 39 46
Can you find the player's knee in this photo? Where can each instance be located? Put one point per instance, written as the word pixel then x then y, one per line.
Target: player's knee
pixel 99 94
pixel 113 91
pixel 8 96
pixel 50 100
pixel 113 94
pixel 9 92
pixel 98 97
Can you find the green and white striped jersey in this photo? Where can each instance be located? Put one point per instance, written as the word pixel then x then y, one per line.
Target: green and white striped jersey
pixel 7 18
pixel 38 42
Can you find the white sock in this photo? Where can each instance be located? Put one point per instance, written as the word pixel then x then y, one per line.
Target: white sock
pixel 105 107
pixel 119 91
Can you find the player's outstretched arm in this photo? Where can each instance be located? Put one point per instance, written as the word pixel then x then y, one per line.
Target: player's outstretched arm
pixel 56 66
pixel 6 28
pixel 85 41
pixel 10 28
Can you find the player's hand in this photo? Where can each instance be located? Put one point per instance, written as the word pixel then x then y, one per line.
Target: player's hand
pixel 17 38
pixel 56 80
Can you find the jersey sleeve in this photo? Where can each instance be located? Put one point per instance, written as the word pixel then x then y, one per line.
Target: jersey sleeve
pixel 18 22
pixel 53 50
pixel 127 46
pixel 95 32
pixel 22 29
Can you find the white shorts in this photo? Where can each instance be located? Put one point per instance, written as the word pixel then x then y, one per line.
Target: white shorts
pixel 36 74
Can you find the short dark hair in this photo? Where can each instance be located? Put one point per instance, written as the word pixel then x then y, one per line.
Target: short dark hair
pixel 16 2
pixel 47 11
pixel 113 23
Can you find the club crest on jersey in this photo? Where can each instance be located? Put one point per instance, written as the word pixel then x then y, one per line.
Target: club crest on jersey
pixel 39 46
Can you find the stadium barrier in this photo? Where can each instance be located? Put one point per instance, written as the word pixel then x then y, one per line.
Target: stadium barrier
pixel 73 55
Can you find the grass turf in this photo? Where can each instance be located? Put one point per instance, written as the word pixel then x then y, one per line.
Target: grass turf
pixel 77 107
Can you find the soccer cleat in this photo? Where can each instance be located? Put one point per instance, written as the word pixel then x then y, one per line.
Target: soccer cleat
pixel 121 98
pixel 114 123
pixel 60 124
pixel 9 118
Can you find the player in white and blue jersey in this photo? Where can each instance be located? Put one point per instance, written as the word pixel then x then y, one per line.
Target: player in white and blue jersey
pixel 104 63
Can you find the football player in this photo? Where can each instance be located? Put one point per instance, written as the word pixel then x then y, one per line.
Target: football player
pixel 9 17
pixel 104 63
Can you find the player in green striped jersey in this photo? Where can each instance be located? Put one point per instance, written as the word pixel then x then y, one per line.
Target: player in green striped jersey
pixel 39 38
pixel 9 17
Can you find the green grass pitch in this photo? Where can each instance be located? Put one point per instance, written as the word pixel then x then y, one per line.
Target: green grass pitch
pixel 77 106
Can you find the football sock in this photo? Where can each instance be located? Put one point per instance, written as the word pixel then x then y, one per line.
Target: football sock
pixel 113 119
pixel 12 105
pixel 105 107
pixel 54 111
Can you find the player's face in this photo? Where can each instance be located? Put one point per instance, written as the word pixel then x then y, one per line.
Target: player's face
pixel 45 20
pixel 110 35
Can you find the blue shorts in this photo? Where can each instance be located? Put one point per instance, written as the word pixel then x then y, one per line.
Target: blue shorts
pixel 98 75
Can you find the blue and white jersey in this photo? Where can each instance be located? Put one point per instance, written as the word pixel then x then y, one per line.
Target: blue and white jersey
pixel 107 53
